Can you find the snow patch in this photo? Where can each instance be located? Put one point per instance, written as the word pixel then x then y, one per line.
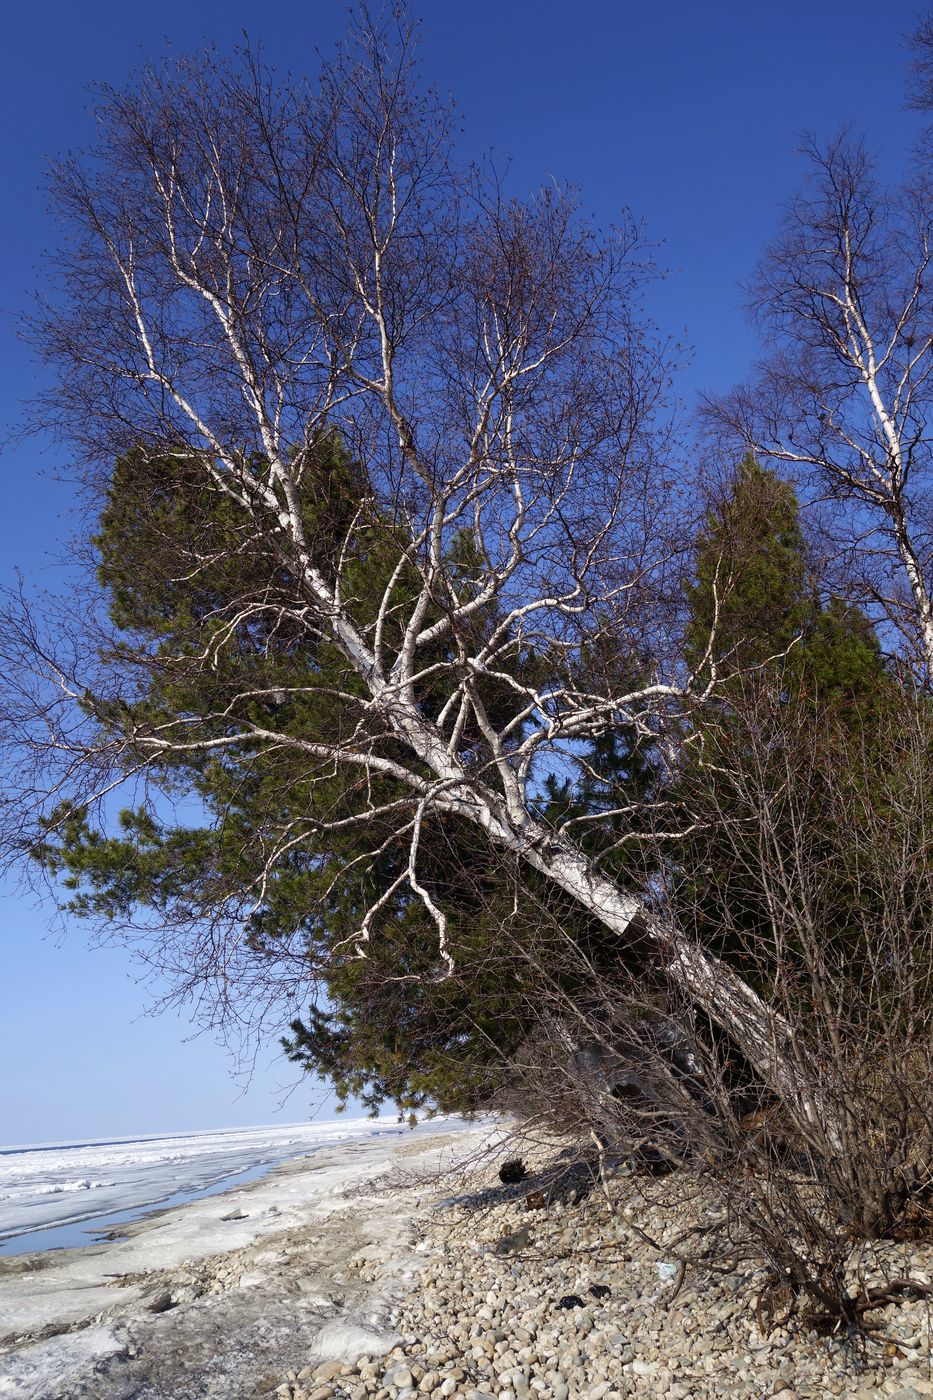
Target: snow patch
pixel 280 1263
pixel 348 1341
pixel 48 1368
pixel 83 1185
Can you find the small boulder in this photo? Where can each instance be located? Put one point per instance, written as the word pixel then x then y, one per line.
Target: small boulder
pixel 400 1377
pixel 512 1172
pixel 347 1341
pixel 327 1371
pixel 510 1243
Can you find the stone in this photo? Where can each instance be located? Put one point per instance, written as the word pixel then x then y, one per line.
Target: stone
pixel 326 1372
pixel 400 1377
pixel 509 1243
pixel 346 1341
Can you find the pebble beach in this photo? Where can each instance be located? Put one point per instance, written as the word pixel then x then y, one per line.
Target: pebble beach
pixel 589 1299
pixel 411 1271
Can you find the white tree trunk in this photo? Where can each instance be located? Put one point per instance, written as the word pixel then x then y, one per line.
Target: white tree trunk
pixel 763 1036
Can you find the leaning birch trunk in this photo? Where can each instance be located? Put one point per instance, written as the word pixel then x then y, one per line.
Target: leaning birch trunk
pixel 762 1035
pixel 248 267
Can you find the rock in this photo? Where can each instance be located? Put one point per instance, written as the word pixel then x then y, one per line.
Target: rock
pixel 235 1215
pixel 400 1376
pixel 325 1372
pixel 509 1243
pixel 160 1302
pixel 512 1172
pixel 348 1341
pixel 907 1393
pixel 644 1368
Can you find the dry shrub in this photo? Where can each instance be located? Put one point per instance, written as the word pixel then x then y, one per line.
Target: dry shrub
pixel 812 875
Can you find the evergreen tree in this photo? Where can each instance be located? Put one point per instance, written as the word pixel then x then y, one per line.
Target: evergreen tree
pixel 797 670
pixel 750 591
pixel 267 851
pixel 754 593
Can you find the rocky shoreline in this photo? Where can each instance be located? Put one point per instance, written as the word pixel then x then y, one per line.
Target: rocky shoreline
pixel 394 1273
pixel 628 1294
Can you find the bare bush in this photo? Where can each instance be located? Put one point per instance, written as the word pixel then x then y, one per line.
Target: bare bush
pixel 822 892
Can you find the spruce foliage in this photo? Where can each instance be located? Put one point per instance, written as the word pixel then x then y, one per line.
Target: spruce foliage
pixel 803 688
pixel 265 852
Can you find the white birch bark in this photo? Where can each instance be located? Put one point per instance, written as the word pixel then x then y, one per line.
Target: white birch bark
pixel 252 268
pixel 845 292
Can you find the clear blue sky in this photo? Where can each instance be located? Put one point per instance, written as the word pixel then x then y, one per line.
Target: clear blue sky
pixel 686 113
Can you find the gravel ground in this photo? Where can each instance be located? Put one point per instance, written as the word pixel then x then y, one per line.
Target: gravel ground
pixel 644 1312
pixel 361 1277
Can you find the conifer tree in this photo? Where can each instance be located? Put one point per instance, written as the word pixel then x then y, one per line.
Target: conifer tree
pixel 754 592
pixel 381 1024
pixel 793 663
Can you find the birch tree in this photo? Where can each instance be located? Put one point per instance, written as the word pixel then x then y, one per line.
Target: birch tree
pixel 844 295
pixel 248 266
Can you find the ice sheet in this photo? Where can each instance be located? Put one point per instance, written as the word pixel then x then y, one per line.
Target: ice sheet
pixel 61 1183
pixel 81 1322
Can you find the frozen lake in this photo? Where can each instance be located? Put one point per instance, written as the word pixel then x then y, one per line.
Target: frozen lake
pixel 49 1191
